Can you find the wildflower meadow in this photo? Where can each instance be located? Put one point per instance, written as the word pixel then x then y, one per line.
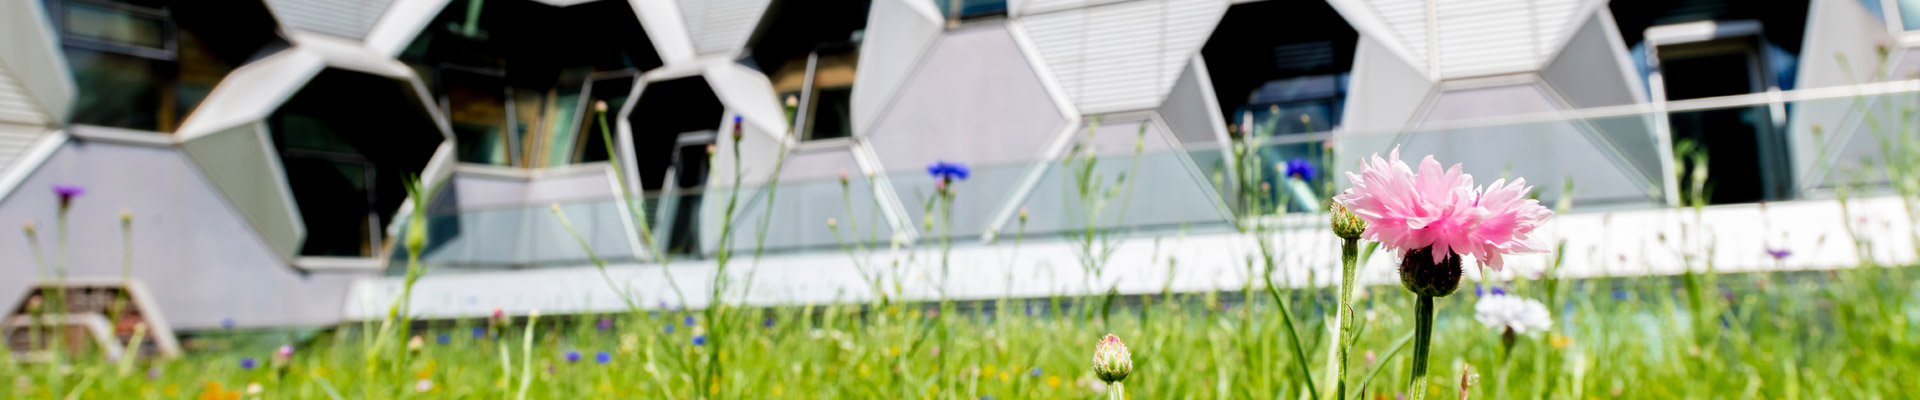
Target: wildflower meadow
pixel 1845 332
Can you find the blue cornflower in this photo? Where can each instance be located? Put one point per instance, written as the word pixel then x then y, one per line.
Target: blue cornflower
pixel 603 357
pixel 1034 373
pixel 479 332
pixel 1301 168
pixel 946 171
pixel 1779 254
pixel 226 323
pixel 688 320
pixel 669 329
pixel 1479 290
pixel 444 338
pixel 573 356
pixel 1619 294
pixel 249 363
pixel 767 323
pixel 700 340
pixel 1499 291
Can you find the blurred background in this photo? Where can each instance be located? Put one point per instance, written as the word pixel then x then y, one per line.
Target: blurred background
pixel 259 147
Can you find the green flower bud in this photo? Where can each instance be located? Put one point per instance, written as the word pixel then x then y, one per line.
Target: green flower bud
pixel 1345 224
pixel 1111 361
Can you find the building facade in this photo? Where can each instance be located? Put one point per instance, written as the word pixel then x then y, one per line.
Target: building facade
pixel 260 146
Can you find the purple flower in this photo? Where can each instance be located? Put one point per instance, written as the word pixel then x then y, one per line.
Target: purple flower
pixel 285 352
pixel 700 340
pixel 226 323
pixel 573 356
pixel 605 323
pixel 1301 168
pixel 603 357
pixel 1779 254
pixel 444 338
pixel 1479 290
pixel 67 193
pixel 1499 291
pixel 688 320
pixel 948 172
pixel 248 363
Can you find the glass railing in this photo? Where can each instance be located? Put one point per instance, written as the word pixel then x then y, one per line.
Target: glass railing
pixel 1615 158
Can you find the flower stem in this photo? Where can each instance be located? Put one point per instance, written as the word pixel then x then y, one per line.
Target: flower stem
pixel 1422 343
pixel 1349 256
pixel 1116 391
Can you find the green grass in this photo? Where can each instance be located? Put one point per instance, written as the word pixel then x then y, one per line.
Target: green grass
pixel 1826 334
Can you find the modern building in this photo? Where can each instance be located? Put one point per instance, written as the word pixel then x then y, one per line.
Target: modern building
pixel 260 146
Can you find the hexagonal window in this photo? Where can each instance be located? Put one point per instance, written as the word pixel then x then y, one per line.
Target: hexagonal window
pixel 145 64
pixel 346 141
pixel 674 122
pixel 517 78
pixel 1282 67
pixel 810 50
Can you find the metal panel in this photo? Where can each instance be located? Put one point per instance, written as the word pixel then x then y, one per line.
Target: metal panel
pixel 350 19
pixel 35 86
pixel 239 162
pixel 1406 23
pixel 1594 70
pixel 1480 37
pixel 16 105
pixel 899 33
pixel 1385 91
pixel 1837 28
pixel 1123 56
pixel 1030 7
pixel 1190 110
pixel 721 26
pixel 1488 102
pixel 404 21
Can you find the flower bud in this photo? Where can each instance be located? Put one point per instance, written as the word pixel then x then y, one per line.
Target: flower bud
pixel 414 345
pixel 736 129
pixel 1346 225
pixel 1023 214
pixel 831 223
pixel 1111 361
pixel 1424 277
pixel 27 226
pixel 600 106
pixel 126 216
pixel 843 177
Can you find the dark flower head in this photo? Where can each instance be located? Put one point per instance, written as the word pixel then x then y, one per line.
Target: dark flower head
pixel 1779 254
pixel 68 192
pixel 700 340
pixel 603 357
pixel 946 172
pixel 573 356
pixel 249 363
pixel 1299 167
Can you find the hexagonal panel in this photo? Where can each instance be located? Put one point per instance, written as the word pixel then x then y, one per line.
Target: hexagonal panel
pixel 976 101
pixel 898 35
pixel 345 164
pixel 721 27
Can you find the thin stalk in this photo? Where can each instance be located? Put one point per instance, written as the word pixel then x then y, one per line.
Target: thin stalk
pixel 526 356
pixel 1422 345
pixel 1116 391
pixel 1293 337
pixel 1349 256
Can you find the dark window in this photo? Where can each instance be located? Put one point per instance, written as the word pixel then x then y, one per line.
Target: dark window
pixel 832 114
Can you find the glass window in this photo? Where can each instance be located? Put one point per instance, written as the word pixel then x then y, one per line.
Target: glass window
pixel 118 24
pixel 832 114
pixel 476 106
pixel 1910 14
pixel 964 9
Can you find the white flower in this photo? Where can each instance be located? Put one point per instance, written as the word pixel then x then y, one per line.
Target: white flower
pixel 1508 312
pixel 423 385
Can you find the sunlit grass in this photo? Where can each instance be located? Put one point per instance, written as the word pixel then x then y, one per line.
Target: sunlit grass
pixel 1840 334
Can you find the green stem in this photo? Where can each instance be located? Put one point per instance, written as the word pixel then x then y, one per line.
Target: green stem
pixel 1116 391
pixel 1293 337
pixel 1349 256
pixel 1422 344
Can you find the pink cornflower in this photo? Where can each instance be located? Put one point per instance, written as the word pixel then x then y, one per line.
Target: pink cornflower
pixel 1442 209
